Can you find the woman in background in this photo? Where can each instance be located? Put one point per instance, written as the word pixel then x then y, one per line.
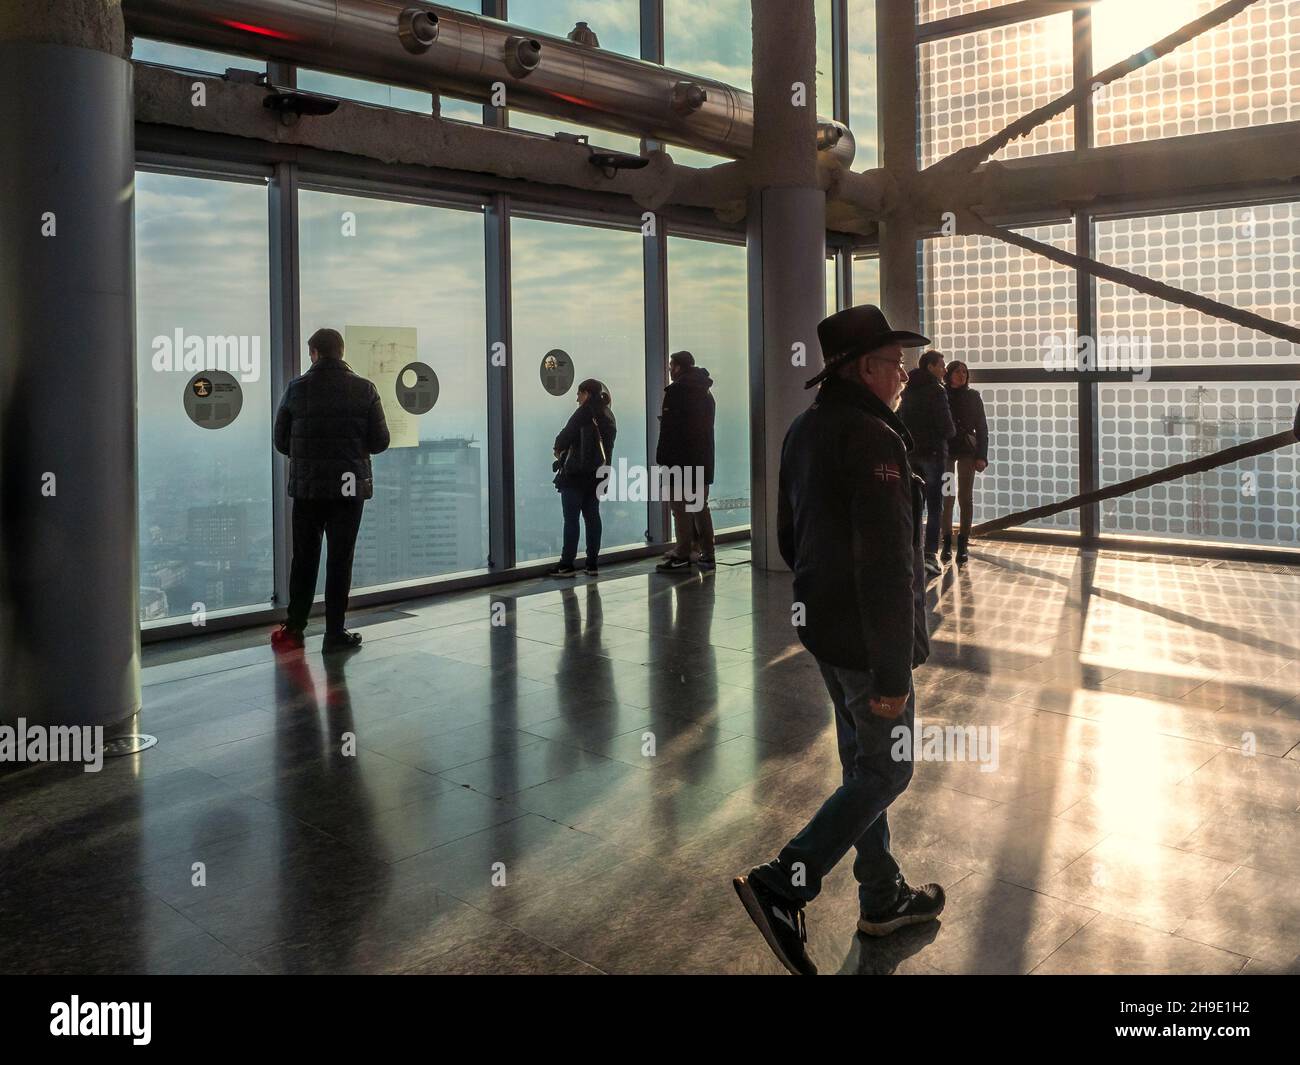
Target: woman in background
pixel 584 445
pixel 968 454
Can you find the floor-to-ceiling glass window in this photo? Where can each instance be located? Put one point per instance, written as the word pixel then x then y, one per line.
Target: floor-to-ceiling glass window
pixel 1245 256
pixel 404 284
pixel 989 304
pixel 204 406
pixel 708 315
pixel 577 290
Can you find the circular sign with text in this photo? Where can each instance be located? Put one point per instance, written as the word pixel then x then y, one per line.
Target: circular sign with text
pixel 557 372
pixel 417 388
pixel 213 399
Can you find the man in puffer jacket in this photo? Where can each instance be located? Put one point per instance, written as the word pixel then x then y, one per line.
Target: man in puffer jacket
pixel 924 410
pixel 330 422
pixel 686 445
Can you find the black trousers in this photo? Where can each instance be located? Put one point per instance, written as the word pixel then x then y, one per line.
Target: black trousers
pixel 338 521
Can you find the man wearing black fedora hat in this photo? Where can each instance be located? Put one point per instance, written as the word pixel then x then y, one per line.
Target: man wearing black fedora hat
pixel 849 528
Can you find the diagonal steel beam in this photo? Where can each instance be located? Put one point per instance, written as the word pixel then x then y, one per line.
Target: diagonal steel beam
pixel 970 222
pixel 967 159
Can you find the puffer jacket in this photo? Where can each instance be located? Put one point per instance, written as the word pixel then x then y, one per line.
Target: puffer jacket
pixel 578 441
pixel 971 424
pixel 330 422
pixel 924 410
pixel 686 424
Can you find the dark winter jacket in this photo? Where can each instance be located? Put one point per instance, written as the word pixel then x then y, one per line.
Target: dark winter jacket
pixel 579 445
pixel 329 423
pixel 686 424
pixel 971 438
pixel 849 526
pixel 925 412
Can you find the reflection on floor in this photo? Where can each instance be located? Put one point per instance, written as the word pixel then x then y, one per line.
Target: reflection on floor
pixel 570 791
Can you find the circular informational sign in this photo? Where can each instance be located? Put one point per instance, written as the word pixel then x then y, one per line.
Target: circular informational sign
pixel 557 372
pixel 213 399
pixel 417 388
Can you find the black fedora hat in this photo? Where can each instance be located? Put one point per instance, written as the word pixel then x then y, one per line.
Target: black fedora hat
pixel 852 333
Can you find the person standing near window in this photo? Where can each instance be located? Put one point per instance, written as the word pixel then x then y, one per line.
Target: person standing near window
pixel 584 446
pixel 925 412
pixel 330 421
pixel 686 446
pixel 968 454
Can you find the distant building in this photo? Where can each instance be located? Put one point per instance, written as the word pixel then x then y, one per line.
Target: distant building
pixel 219 531
pixel 426 517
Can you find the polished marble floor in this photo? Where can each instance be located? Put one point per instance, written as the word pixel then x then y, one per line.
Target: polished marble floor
pixel 571 790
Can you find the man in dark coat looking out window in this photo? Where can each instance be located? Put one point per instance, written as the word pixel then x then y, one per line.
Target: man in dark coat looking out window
pixel 330 422
pixel 686 447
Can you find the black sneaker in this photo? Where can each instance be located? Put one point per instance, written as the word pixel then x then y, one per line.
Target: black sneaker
pixel 963 553
pixel 913 906
pixel 592 571
pixel 561 571
pixel 945 556
pixel 707 565
pixel 780 921
pixel 933 567
pixel 672 563
pixel 340 641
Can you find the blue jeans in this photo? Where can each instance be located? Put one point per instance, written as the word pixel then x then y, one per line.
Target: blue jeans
pixel 932 470
pixel 854 816
pixel 575 501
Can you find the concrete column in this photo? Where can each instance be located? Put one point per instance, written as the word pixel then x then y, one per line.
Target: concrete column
pixel 69 634
pixel 896 75
pixel 787 248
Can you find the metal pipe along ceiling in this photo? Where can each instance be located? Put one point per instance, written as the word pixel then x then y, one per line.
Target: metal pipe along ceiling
pixel 431 47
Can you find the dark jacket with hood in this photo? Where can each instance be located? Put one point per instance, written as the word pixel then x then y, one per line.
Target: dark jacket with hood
pixel 971 436
pixel 686 424
pixel 329 423
pixel 590 429
pixel 849 526
pixel 925 412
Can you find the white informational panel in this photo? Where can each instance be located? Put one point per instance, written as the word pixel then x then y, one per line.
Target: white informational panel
pixel 380 353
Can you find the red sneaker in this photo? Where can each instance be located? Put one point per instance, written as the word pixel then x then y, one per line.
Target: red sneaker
pixel 286 639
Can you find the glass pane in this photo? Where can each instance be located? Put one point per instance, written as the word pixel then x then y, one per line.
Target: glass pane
pixel 202 282
pixel 417 273
pixel 616 23
pixel 708 315
pixel 988 303
pixel 176 55
pixel 1246 257
pixel 398 96
pixel 716 41
pixel 1148 427
pixel 862 83
pixel 934 10
pixel 975 84
pixel 866 281
pixel 1033 451
pixel 831 287
pixel 581 290
pixel 366 92
pixel 1243 73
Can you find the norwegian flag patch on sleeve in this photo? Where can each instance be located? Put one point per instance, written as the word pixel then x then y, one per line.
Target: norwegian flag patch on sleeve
pixel 887 472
